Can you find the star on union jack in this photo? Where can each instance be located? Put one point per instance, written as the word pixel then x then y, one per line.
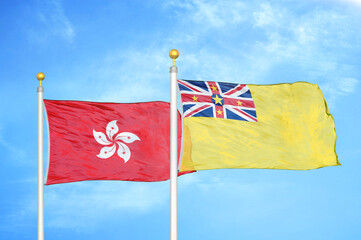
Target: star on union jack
pixel 218 100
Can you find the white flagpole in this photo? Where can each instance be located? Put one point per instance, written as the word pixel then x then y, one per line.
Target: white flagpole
pixel 173 148
pixel 40 76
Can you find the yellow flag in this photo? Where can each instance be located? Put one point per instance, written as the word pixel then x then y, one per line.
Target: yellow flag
pixel 292 128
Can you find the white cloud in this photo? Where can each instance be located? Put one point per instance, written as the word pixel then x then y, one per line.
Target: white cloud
pixel 338 87
pixel 84 205
pixel 220 185
pixel 348 85
pixel 13 150
pixel 267 16
pixel 135 76
pixel 290 38
pixel 210 13
pixel 52 22
pixel 309 41
pixel 356 3
pixel 123 75
pixel 312 43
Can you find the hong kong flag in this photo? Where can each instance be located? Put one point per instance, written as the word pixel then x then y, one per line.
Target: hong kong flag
pixel 108 141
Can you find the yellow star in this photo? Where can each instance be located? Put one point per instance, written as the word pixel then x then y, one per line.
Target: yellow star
pixel 219 112
pixel 218 100
pixel 239 103
pixel 195 99
pixel 214 88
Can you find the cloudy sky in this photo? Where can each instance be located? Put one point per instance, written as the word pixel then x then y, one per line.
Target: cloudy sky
pixel 118 51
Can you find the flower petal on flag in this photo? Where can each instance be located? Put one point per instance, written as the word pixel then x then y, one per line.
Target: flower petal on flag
pixel 101 138
pixel 127 137
pixel 123 151
pixel 112 129
pixel 107 152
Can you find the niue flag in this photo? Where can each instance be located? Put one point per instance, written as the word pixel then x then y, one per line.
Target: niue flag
pixel 281 126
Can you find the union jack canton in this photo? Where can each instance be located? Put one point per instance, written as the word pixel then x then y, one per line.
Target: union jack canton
pixel 218 100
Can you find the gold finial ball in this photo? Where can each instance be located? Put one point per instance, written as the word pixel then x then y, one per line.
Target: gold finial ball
pixel 40 76
pixel 173 53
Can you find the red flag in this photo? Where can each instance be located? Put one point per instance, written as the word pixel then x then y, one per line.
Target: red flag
pixel 108 141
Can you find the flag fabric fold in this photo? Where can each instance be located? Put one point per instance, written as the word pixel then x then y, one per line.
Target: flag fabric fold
pixel 282 126
pixel 108 141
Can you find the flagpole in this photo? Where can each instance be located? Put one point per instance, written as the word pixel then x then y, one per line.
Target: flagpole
pixel 40 76
pixel 173 148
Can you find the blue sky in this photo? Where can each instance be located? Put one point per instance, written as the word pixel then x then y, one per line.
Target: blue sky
pixel 118 51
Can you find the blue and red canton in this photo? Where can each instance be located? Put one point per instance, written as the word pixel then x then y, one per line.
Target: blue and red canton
pixel 218 100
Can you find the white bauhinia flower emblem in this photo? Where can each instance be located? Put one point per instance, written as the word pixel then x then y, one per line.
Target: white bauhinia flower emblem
pixel 109 150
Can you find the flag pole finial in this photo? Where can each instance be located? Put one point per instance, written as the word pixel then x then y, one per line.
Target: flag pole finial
pixel 173 54
pixel 40 76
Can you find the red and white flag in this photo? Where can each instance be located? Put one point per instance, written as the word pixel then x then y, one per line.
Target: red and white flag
pixel 109 141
